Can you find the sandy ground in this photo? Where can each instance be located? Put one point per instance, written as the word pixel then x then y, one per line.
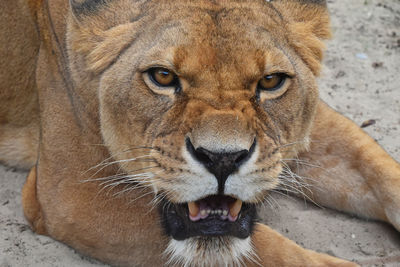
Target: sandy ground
pixel 361 79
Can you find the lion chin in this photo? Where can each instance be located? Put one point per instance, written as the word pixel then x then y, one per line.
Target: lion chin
pixel 210 251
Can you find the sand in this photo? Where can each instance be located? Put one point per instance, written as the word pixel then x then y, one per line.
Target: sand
pixel 361 79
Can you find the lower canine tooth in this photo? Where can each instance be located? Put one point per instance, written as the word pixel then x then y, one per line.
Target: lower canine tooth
pixel 193 209
pixel 235 208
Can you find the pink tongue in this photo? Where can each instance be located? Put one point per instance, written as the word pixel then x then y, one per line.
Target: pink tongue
pixel 232 219
pixel 195 219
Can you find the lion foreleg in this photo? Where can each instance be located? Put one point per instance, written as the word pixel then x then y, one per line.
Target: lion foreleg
pixel 273 249
pixel 32 209
pixel 18 145
pixel 347 170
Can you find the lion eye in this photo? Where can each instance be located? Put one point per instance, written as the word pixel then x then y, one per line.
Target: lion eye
pixel 163 77
pixel 272 82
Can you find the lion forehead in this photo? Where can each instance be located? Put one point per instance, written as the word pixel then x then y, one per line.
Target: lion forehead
pixel 204 48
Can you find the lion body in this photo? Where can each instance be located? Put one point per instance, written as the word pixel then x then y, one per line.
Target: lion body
pixel 19 114
pixel 77 82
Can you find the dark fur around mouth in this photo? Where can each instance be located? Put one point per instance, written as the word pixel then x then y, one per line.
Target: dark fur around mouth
pixel 177 224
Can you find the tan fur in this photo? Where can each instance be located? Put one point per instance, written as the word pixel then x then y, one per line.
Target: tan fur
pixel 80 80
pixel 32 209
pixel 18 96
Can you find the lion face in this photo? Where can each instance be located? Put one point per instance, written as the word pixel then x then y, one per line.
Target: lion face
pixel 201 102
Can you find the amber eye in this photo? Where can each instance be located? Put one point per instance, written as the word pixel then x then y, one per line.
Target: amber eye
pixel 272 82
pixel 163 77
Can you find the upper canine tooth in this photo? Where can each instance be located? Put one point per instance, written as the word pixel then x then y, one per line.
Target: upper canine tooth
pixel 235 208
pixel 193 209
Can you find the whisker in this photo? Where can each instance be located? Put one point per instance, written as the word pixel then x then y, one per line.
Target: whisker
pixel 139 197
pixel 277 191
pixel 300 192
pixel 121 161
pixel 130 149
pixel 305 163
pixel 105 165
pixel 294 179
pixel 128 179
pixel 116 176
pixel 131 182
pixel 158 199
pixel 270 200
pixel 286 169
pixel 293 143
pixel 129 188
pixel 297 185
pixel 119 153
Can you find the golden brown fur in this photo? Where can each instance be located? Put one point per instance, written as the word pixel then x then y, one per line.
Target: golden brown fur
pixel 79 75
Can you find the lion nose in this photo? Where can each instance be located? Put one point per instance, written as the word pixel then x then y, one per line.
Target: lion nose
pixel 220 164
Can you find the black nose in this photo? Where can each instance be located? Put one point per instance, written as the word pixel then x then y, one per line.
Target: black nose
pixel 220 164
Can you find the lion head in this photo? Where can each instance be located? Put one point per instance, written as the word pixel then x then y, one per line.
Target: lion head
pixel 199 102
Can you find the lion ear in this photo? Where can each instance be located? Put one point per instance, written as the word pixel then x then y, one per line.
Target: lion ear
pixel 99 41
pixel 85 7
pixel 308 26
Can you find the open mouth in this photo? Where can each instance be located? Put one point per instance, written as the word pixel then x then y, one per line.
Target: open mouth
pixel 216 215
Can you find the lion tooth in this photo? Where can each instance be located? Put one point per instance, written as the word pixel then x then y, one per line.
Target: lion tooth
pixel 203 212
pixel 208 211
pixel 235 208
pixel 193 209
pixel 225 213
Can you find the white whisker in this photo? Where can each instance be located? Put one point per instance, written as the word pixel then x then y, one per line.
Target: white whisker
pixel 105 165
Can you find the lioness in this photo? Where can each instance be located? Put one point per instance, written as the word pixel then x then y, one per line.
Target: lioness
pixel 155 128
